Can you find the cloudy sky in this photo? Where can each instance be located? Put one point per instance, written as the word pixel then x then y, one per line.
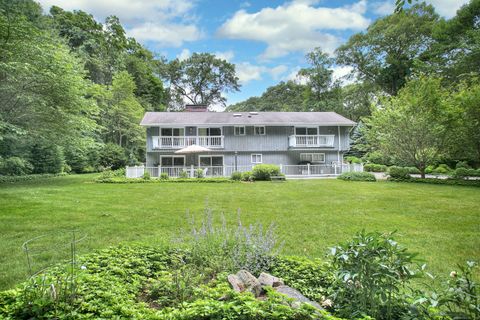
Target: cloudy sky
pixel 267 40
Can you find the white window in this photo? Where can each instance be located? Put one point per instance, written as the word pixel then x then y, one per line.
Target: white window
pixel 256 158
pixel 306 131
pixel 313 157
pixel 209 132
pixel 239 131
pixel 172 161
pixel 259 130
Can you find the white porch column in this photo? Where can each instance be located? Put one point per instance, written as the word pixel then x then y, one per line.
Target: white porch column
pixel 192 173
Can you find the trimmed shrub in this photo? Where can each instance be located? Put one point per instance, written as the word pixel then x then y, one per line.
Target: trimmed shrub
pixel 46 158
pixel 29 177
pixel 263 172
pixel 352 159
pixel 199 173
pixel 247 176
pixel 113 156
pixel 237 176
pixel 15 166
pixel 429 169
pixel 399 172
pixel 357 176
pixel 373 167
pixel 164 176
pixel 183 174
pixel 455 182
pixel 146 175
pixel 462 164
pixel 442 169
pixel 413 170
pixel 461 173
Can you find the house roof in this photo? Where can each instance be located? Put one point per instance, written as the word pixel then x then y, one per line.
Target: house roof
pixel 245 118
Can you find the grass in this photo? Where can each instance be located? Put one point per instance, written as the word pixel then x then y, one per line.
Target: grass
pixel 441 223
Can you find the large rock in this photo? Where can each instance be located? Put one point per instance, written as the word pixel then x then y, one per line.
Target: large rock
pixel 269 280
pixel 245 281
pixel 296 295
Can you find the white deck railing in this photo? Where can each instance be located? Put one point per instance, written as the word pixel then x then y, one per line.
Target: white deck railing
pixel 307 170
pixel 159 142
pixel 312 141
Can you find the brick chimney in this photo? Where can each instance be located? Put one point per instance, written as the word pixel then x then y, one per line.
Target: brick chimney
pixel 196 108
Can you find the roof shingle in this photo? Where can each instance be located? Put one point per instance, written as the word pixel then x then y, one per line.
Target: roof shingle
pixel 245 118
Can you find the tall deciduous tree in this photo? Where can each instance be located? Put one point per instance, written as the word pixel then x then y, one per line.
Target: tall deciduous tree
pixel 285 96
pixel 455 54
pixel 385 55
pixel 122 113
pixel 200 79
pixel 413 126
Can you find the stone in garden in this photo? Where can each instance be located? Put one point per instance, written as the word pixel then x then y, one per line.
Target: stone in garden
pixel 250 282
pixel 236 283
pixel 269 280
pixel 296 295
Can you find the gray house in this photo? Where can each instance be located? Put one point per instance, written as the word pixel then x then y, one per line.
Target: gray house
pixel 302 143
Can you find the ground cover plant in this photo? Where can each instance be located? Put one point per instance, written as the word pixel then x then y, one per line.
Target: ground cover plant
pixel 369 275
pixel 440 222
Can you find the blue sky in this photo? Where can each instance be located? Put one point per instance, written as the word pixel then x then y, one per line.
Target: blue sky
pixel 267 40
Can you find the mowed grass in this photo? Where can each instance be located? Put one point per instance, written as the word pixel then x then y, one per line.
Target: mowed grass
pixel 440 223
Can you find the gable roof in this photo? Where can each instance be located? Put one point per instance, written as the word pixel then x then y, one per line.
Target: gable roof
pixel 245 118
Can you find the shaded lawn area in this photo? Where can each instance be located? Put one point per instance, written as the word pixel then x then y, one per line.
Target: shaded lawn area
pixel 441 223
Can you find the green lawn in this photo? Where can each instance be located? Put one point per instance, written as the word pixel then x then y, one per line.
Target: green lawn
pixel 441 223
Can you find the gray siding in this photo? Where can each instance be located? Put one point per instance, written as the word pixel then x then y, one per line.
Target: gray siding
pixel 291 157
pixel 274 140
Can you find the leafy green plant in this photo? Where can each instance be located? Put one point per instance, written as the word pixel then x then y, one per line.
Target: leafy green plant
pixel 462 164
pixel 442 169
pixel 247 176
pixel 370 272
pixel 236 175
pixel 373 167
pixel 15 166
pixel 146 175
pixel 357 176
pixel 461 296
pixel 164 176
pixel 265 171
pixel 199 173
pixel 183 174
pixel 352 159
pixel 399 173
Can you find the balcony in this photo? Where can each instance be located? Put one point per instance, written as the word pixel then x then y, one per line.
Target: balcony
pixel 311 141
pixel 212 142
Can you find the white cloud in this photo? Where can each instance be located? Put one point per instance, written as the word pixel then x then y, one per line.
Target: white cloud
pixel 167 22
pixel 383 8
pixel 184 55
pixel 277 71
pixel 225 55
pixel 295 26
pixel 447 8
pixel 247 72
